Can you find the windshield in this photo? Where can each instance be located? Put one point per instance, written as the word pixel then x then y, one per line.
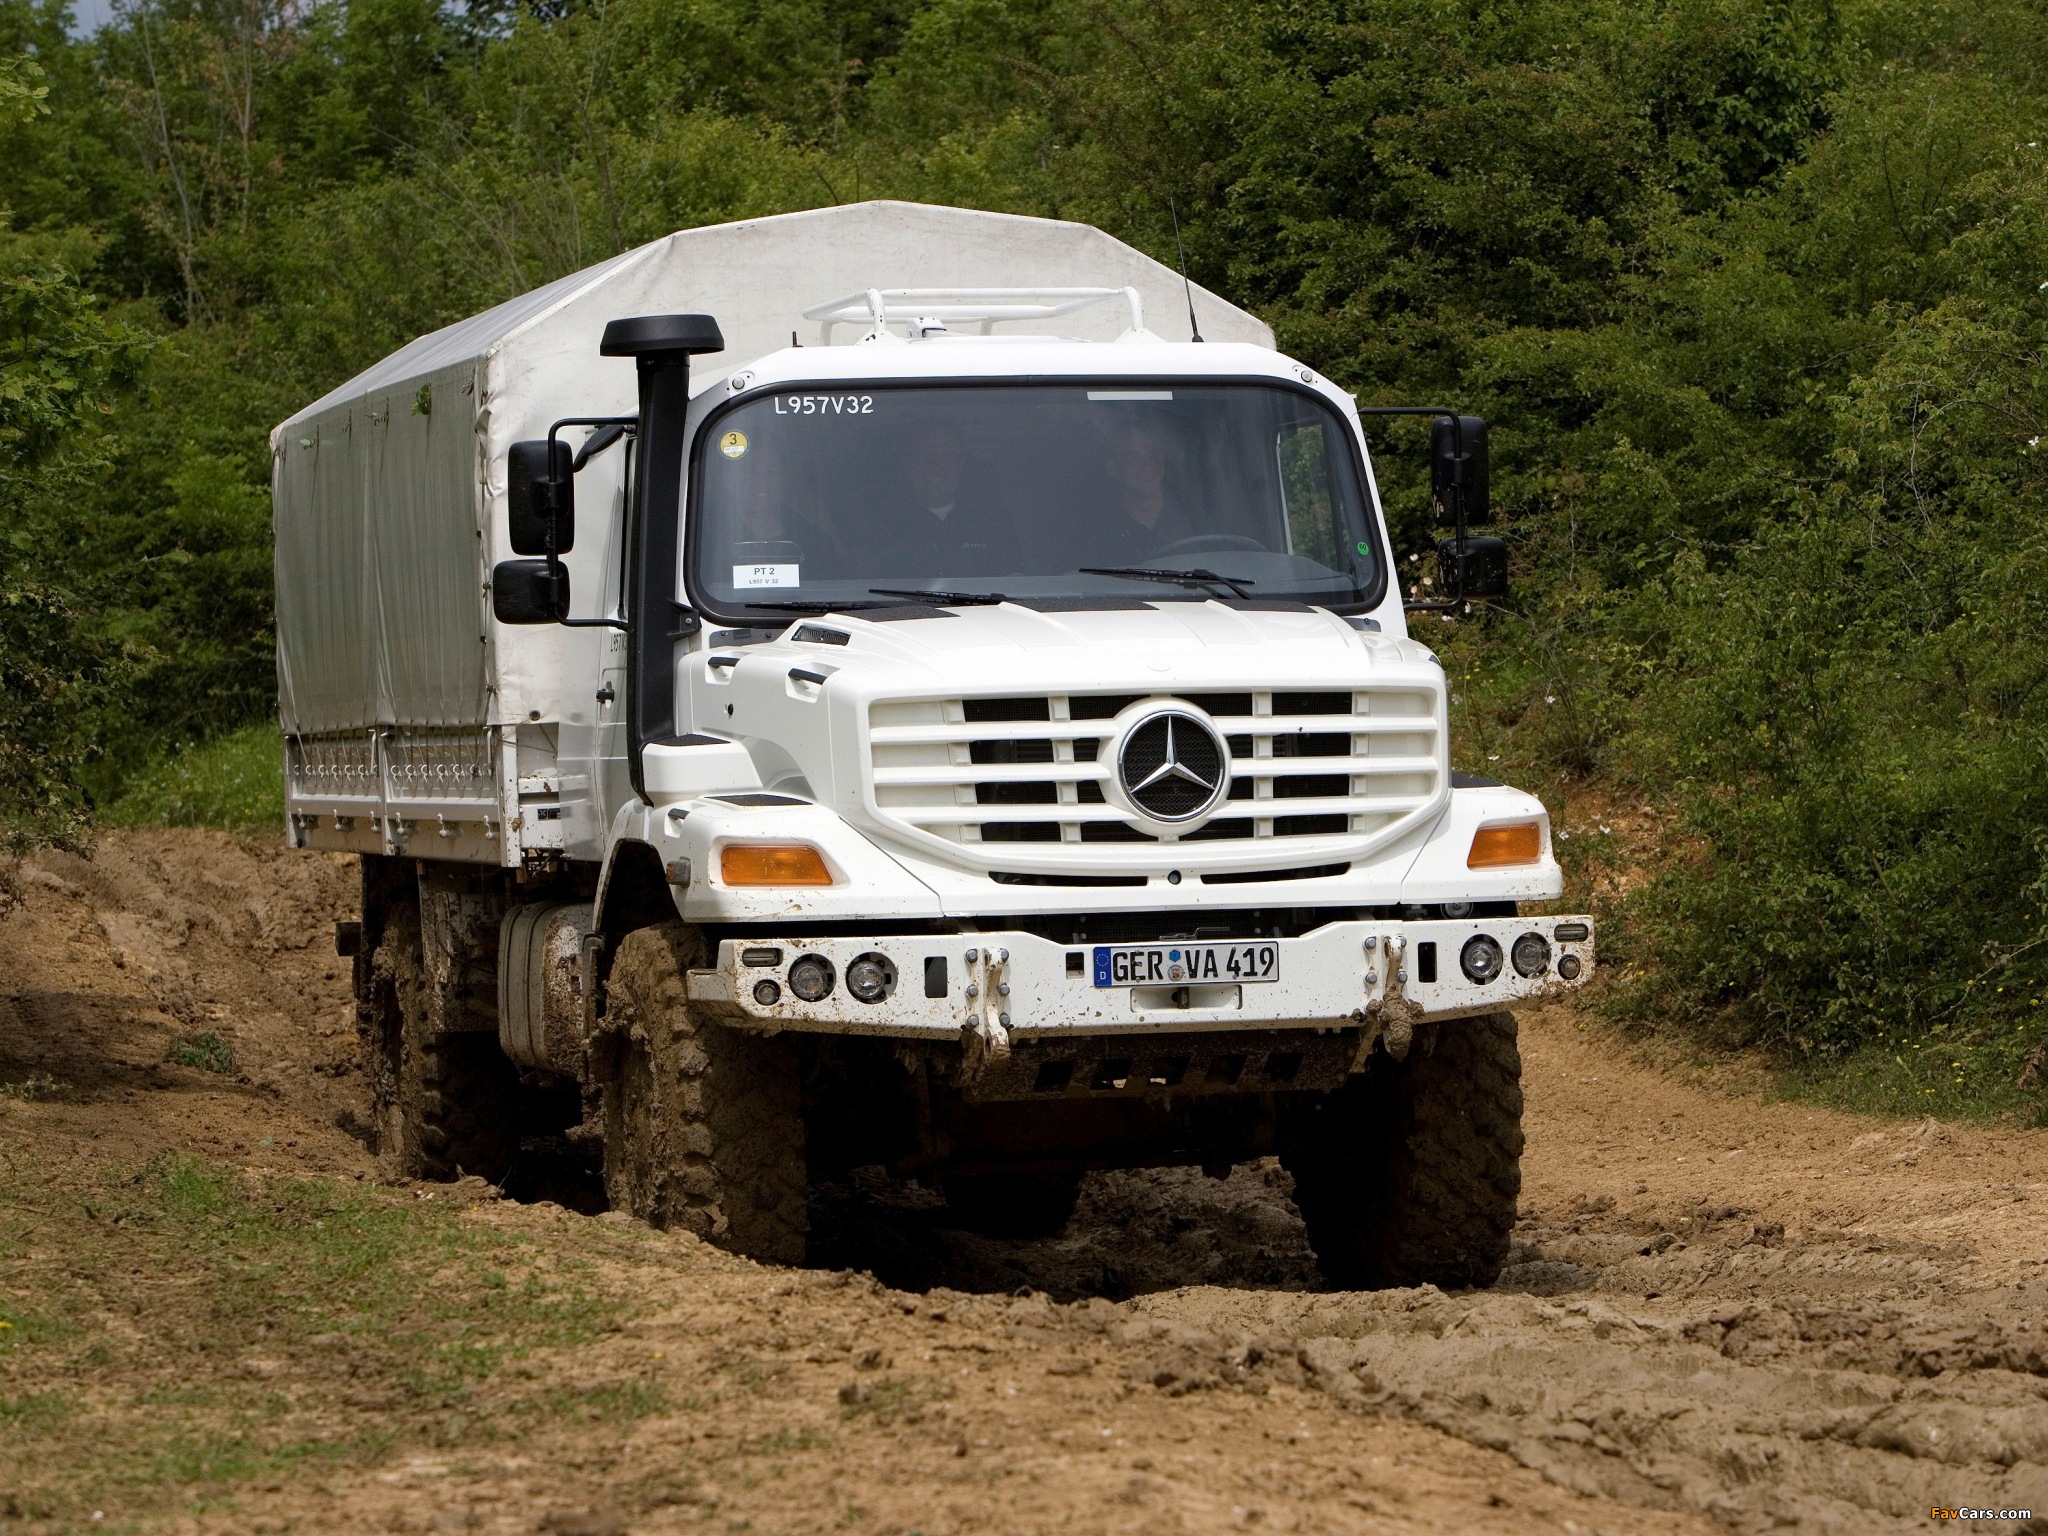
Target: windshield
pixel 871 495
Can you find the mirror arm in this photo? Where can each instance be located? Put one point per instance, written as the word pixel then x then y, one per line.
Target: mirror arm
pixel 1440 605
pixel 623 423
pixel 600 440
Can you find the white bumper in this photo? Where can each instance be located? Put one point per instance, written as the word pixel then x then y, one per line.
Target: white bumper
pixel 1343 975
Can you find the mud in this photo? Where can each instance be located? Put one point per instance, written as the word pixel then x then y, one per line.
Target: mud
pixel 1722 1311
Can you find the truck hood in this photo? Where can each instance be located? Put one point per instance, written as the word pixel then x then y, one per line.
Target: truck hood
pixel 1035 633
pixel 969 734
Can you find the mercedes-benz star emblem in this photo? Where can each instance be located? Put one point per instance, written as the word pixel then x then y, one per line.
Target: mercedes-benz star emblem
pixel 1173 767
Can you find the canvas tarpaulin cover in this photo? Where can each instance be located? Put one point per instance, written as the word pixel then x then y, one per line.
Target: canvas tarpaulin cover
pixel 389 489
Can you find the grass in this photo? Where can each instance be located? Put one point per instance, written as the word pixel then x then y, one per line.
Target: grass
pixel 208 1052
pixel 1963 1074
pixel 1970 1079
pixel 621 1404
pixel 172 1333
pixel 1957 1074
pixel 234 783
pixel 34 1411
pixel 36 1086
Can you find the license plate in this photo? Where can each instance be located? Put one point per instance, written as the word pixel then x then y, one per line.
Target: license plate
pixel 1144 965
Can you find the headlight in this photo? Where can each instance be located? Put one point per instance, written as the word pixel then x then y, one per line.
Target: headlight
pixel 810 977
pixel 1531 952
pixel 1480 960
pixel 870 978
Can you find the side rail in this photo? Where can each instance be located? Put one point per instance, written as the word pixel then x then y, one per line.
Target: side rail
pixel 423 792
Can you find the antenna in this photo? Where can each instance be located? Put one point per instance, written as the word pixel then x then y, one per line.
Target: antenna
pixel 1194 331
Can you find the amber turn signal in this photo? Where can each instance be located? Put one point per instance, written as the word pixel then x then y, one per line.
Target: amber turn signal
pixel 1494 847
pixel 773 864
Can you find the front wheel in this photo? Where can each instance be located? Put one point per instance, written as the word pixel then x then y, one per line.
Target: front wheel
pixel 703 1124
pixel 1409 1173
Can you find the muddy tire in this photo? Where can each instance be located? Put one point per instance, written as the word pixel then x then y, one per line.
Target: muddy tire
pixel 1014 1205
pixel 444 1104
pixel 1409 1174
pixel 703 1124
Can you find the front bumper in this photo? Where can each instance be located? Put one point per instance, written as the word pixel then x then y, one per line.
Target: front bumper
pixel 1346 974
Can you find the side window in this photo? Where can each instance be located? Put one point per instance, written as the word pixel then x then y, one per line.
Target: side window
pixel 1304 462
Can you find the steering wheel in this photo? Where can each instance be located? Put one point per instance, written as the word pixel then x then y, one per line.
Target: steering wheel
pixel 1204 543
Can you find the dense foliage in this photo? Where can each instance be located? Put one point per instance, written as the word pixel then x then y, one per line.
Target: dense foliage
pixel 60 361
pixel 1753 288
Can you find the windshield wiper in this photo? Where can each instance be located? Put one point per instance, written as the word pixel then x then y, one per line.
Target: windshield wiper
pixel 962 599
pixel 818 605
pixel 1195 578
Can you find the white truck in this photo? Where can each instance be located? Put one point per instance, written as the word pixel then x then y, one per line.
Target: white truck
pixel 845 689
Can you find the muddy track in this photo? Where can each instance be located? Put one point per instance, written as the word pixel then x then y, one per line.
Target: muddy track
pixel 1720 1312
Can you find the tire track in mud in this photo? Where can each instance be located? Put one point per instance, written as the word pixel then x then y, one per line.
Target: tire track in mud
pixel 1773 1316
pixel 1720 1309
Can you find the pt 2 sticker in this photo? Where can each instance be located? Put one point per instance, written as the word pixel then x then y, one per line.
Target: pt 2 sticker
pixel 733 444
pixel 765 576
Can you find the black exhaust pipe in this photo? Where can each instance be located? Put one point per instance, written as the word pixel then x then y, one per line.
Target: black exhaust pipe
pixel 661 346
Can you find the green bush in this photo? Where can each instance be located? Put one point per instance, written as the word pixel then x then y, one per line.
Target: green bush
pixel 1852 714
pixel 207 1051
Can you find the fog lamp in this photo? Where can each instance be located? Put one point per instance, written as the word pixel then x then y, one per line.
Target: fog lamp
pixel 1480 960
pixel 1499 847
pixel 810 977
pixel 767 993
pixel 871 978
pixel 1531 954
pixel 772 864
pixel 1569 967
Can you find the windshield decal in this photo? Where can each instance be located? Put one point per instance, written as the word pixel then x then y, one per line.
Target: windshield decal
pixel 765 576
pixel 733 444
pixel 824 405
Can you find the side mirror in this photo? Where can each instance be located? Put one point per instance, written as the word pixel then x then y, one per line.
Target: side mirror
pixel 529 591
pixel 1458 479
pixel 1478 570
pixel 540 498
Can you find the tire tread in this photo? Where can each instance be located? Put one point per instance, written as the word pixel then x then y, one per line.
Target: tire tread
pixel 1409 1175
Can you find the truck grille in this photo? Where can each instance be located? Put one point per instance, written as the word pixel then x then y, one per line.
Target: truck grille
pixel 1024 781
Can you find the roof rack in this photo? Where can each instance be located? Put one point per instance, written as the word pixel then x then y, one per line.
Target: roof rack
pixel 923 311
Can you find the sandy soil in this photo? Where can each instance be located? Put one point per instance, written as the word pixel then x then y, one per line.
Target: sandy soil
pixel 1723 1312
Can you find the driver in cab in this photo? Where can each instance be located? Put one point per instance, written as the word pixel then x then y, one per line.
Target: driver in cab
pixel 1145 517
pixel 951 527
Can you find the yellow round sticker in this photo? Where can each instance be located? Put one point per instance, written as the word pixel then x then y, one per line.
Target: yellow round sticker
pixel 733 444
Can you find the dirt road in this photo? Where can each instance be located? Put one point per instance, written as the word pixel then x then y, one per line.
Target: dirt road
pixel 217 1315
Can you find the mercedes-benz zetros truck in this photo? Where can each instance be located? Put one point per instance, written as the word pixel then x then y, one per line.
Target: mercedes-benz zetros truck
pixel 909 687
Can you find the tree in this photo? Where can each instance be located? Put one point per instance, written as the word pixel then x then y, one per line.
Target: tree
pixel 60 362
